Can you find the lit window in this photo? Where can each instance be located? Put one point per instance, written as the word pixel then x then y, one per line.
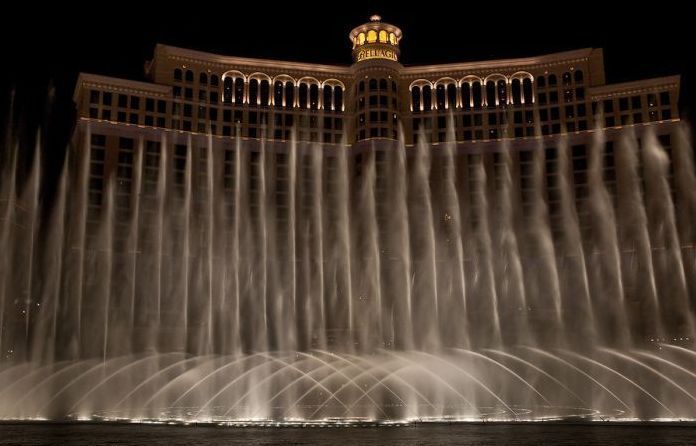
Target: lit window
pixel 392 38
pixel 371 36
pixel 361 38
pixel 383 36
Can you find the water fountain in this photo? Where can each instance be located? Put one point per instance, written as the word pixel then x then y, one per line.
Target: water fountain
pixel 274 286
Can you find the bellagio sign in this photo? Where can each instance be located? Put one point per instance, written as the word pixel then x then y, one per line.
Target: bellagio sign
pixel 376 53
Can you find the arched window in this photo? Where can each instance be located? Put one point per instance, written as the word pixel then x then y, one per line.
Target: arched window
pixel 265 93
pixel 302 95
pixel 338 98
pixel 578 77
pixel 427 98
pixel 314 96
pixel 289 95
pixel 502 92
pixel 466 95
pixel 177 74
pixel 383 84
pixel 392 38
pixel 490 94
pixel 371 36
pixel 440 97
pixel 227 90
pixel 278 93
pixel 477 93
pixel 393 86
pixel 203 79
pixel 541 81
pixel 239 91
pixel 361 38
pixel 528 91
pixel 214 80
pixel 383 37
pixel 567 79
pixel 416 99
pixel 361 86
pixel 189 76
pixel 328 97
pixel 254 92
pixel 452 96
pixel 552 80
pixel 516 88
pixel 373 84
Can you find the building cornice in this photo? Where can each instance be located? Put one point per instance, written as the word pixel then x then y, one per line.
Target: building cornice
pixel 119 85
pixel 635 87
pixel 547 60
pixel 233 62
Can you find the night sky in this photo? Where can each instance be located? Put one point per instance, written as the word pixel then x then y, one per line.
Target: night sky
pixel 50 45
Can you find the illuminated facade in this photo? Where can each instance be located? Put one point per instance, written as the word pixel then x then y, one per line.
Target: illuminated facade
pixel 196 98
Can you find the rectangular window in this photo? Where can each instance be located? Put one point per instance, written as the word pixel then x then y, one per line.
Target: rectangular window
pixel 664 98
pixel 608 106
pixel 135 102
pixel 122 101
pixel 94 97
pixel 149 104
pixel 106 98
pixel 623 104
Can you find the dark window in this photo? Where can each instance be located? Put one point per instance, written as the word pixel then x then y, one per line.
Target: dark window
pixel 567 79
pixel 328 97
pixel 552 80
pixel 578 76
pixel 541 81
pixel 466 96
pixel 177 74
pixel 214 80
pixel 227 90
pixel 264 94
pixel 623 104
pixel 253 92
pixel 94 97
pixel 149 104
pixel 135 102
pixel 416 98
pixel 608 106
pixel 516 91
pixel 664 98
pixel 239 91
pixel 427 97
pixel 338 98
pixel 122 100
pixel 189 76
pixel 635 102
pixel 203 79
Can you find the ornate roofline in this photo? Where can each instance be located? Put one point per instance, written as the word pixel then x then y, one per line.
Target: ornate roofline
pixel 497 64
pixel 118 84
pixel 204 57
pixel 634 87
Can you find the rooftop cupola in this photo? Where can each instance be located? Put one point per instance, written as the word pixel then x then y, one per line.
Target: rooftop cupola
pixel 375 40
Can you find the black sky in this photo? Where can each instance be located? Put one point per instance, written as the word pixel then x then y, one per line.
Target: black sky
pixel 51 44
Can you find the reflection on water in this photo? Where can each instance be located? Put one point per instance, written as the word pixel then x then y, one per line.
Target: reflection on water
pixel 479 435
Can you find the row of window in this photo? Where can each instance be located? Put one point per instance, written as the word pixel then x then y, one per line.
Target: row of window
pixel 471 95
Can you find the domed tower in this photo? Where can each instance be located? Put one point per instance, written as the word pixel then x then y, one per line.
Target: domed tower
pixel 376 90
